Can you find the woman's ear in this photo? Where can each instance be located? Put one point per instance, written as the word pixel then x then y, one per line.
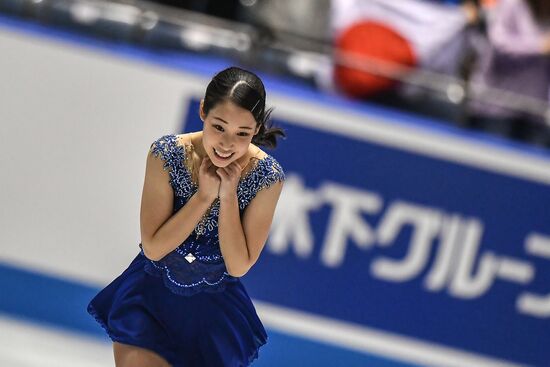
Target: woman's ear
pixel 257 129
pixel 202 115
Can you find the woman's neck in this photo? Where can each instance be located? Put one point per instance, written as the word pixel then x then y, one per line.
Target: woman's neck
pixel 196 141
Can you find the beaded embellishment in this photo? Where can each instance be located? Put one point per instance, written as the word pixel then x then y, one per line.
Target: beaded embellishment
pixel 197 264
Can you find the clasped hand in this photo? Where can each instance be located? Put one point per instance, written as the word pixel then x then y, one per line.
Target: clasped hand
pixel 218 181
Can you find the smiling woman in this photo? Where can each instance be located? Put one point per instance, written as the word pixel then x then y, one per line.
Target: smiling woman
pixel 227 133
pixel 207 206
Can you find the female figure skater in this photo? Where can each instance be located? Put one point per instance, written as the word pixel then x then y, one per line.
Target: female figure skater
pixel 207 206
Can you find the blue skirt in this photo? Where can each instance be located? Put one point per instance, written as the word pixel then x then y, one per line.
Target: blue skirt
pixel 206 329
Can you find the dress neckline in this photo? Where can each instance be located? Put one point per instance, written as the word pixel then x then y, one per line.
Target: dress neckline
pixel 188 147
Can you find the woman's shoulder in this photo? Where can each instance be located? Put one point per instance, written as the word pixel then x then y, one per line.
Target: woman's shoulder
pixel 169 142
pixel 187 142
pixel 267 165
pixel 180 139
pixel 170 147
pixel 261 156
pixel 162 145
pixel 164 141
pixel 257 152
pixel 185 138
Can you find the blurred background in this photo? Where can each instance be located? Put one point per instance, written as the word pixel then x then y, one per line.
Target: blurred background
pixel 413 229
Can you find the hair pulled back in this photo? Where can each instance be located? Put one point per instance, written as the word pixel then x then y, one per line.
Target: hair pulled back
pixel 246 90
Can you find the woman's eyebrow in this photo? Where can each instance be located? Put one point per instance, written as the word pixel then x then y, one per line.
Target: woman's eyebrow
pixel 240 127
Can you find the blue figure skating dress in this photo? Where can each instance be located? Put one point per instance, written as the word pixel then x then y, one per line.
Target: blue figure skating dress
pixel 186 307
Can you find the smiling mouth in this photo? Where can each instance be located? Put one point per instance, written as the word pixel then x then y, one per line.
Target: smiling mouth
pixel 222 155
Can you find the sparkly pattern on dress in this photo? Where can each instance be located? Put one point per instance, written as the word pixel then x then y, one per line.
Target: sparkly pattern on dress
pixel 197 264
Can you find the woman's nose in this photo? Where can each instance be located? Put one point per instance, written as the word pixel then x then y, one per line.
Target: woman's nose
pixel 227 141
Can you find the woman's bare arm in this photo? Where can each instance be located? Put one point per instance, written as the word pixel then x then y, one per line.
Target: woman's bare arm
pixel 242 242
pixel 161 230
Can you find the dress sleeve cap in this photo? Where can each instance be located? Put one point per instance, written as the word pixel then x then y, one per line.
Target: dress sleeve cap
pixel 163 148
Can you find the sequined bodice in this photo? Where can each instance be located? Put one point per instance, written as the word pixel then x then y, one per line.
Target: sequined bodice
pixel 197 264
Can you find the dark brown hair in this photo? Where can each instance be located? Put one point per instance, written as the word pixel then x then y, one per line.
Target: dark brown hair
pixel 246 90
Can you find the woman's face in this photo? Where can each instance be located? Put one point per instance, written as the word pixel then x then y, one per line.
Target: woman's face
pixel 227 132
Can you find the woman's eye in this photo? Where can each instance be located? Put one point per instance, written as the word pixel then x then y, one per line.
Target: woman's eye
pixel 244 134
pixel 218 127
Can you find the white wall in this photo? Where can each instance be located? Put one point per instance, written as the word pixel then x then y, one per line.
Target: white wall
pixel 76 125
pixel 77 122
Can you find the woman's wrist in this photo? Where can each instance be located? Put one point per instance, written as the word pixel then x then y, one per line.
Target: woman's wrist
pixel 228 198
pixel 204 197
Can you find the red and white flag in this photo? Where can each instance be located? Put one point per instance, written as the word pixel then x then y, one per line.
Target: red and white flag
pixel 412 33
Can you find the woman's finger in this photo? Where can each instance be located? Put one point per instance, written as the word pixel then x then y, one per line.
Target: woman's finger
pixel 237 166
pixel 222 173
pixel 233 172
pixel 231 169
pixel 202 168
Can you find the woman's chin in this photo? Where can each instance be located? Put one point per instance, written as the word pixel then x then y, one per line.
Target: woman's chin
pixel 220 163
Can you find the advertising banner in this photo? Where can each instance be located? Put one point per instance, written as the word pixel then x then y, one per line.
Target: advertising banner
pixel 421 247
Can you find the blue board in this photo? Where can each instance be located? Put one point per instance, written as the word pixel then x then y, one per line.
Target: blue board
pixel 408 244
